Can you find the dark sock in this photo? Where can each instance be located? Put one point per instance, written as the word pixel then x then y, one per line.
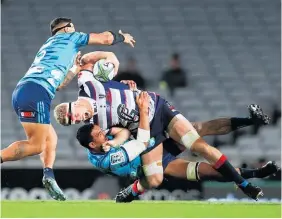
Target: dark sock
pixel 237 123
pixel 229 172
pixel 48 172
pixel 249 173
pixel 255 173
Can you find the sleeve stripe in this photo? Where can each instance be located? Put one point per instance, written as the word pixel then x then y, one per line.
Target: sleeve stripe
pixel 127 157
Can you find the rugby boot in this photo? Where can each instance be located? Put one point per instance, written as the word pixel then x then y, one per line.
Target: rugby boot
pixel 268 169
pixel 53 189
pixel 126 195
pixel 253 192
pixel 257 115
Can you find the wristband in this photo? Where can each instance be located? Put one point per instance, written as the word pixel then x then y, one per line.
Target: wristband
pixel 143 135
pixel 118 38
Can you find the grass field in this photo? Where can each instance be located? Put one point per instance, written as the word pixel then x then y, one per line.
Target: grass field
pixel 137 209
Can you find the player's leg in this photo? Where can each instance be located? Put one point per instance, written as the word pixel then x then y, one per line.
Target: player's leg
pixel 29 102
pixel 222 126
pixel 48 158
pixel 49 154
pixel 182 131
pixel 151 177
pixel 153 167
pixel 203 171
pixel 35 143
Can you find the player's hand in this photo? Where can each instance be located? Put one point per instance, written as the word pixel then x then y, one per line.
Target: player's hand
pixel 77 63
pixel 77 60
pixel 132 85
pixel 142 101
pixel 108 144
pixel 127 38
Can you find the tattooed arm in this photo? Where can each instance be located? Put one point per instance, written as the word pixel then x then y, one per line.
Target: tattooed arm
pixel 71 73
pixel 220 126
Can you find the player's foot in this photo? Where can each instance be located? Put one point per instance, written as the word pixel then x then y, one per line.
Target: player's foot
pixel 53 189
pixel 125 195
pixel 257 115
pixel 268 169
pixel 253 192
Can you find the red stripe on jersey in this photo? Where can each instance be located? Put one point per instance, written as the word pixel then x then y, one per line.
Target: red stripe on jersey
pixel 125 100
pixel 109 103
pixel 93 93
pixel 94 90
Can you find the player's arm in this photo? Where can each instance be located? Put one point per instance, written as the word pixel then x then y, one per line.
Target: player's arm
pixel 134 148
pixel 73 71
pixel 93 57
pixel 110 38
pixel 120 135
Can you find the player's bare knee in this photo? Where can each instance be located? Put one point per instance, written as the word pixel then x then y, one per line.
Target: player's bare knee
pixel 154 173
pixel 155 180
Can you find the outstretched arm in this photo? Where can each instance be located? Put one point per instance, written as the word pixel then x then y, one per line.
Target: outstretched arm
pixel 110 38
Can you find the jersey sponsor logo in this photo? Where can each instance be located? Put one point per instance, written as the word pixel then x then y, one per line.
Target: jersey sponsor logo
pixel 102 96
pixel 26 114
pixel 117 158
pixel 170 106
pixel 123 113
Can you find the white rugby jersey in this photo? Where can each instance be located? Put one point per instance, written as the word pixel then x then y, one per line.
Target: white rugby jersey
pixel 115 102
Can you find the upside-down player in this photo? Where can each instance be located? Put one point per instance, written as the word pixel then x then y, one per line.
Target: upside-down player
pixel 50 71
pixel 111 152
pixel 112 103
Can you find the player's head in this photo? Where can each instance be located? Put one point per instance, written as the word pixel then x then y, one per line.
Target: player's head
pixel 91 136
pixel 61 24
pixel 73 112
pixel 175 60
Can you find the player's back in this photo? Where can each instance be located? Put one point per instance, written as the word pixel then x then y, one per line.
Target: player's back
pixel 116 103
pixel 54 59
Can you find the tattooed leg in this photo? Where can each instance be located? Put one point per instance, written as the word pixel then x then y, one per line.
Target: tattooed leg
pixel 19 150
pixel 35 143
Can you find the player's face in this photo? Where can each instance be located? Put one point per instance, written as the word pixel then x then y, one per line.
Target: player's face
pixel 70 29
pixel 99 136
pixel 80 114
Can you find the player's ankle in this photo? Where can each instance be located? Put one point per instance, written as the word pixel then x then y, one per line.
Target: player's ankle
pixel 237 123
pixel 137 188
pixel 48 172
pixel 1 160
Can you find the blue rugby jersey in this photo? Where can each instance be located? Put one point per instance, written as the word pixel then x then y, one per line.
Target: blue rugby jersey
pixel 115 161
pixel 54 59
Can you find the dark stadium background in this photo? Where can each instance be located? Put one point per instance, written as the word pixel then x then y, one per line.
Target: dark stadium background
pixel 229 51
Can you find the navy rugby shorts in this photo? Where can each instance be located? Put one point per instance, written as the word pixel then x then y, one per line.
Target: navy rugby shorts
pixel 31 103
pixel 164 113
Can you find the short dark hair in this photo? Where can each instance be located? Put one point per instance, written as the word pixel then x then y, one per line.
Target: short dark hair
pixel 54 23
pixel 175 56
pixel 83 135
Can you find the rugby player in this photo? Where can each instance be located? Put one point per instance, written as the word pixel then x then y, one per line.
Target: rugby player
pixel 111 152
pixel 112 103
pixel 50 71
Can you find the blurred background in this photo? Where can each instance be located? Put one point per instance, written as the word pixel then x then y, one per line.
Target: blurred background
pixel 210 58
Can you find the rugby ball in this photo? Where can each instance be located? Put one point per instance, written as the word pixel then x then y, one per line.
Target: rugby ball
pixel 104 71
